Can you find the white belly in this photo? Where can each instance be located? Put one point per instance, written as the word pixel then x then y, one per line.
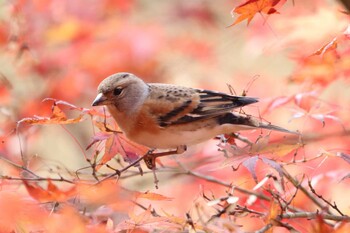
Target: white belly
pixel 169 139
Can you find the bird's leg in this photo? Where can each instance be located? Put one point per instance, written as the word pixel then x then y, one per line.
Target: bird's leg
pixel 242 138
pixel 150 157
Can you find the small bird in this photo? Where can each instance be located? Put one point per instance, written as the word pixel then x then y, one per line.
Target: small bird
pixel 164 116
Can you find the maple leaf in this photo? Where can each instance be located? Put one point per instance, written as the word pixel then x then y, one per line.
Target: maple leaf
pixel 91 112
pixel 147 221
pixel 320 226
pixel 19 210
pixel 277 102
pixel 116 142
pixel 153 196
pixel 57 117
pixel 106 193
pixel 250 164
pixel 247 10
pixel 317 68
pixel 328 63
pixel 274 211
pixel 274 165
pixel 52 193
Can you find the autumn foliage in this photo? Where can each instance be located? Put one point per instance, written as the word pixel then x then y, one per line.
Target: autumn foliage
pixel 66 166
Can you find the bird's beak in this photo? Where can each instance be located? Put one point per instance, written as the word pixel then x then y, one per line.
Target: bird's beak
pixel 99 100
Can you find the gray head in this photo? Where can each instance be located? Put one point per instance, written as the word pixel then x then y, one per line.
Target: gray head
pixel 125 91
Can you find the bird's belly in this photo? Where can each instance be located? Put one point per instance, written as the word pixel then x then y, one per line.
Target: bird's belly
pixel 168 139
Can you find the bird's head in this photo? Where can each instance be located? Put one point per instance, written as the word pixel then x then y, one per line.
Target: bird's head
pixel 122 90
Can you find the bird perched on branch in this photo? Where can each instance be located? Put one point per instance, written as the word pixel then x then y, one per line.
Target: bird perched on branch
pixel 164 116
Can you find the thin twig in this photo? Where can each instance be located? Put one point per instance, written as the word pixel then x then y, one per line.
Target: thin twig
pixel 265 228
pixel 214 180
pixel 334 206
pixel 153 211
pixel 297 184
pixel 38 178
pixel 118 172
pixel 314 215
pixel 18 166
pixel 74 139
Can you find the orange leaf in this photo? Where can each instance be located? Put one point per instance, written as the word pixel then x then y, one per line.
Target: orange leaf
pixel 328 63
pixel 147 221
pixel 274 211
pixel 153 196
pixel 318 69
pixel 52 193
pixel 279 149
pixel 247 10
pixel 327 47
pixel 320 226
pixel 57 117
pixel 69 218
pixel 116 143
pixel 107 192
pixel 18 210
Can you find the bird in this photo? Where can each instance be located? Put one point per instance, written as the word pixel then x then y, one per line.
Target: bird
pixel 166 116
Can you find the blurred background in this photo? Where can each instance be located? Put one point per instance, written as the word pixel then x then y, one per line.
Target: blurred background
pixel 62 49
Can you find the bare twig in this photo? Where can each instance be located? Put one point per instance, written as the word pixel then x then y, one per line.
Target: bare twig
pixel 298 185
pixel 118 172
pixel 38 178
pixel 214 180
pixel 153 211
pixel 265 228
pixel 314 215
pixel 334 206
pixel 18 166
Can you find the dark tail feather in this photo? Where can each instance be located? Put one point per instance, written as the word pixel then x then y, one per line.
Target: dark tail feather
pixel 235 119
pixel 276 128
pixel 242 100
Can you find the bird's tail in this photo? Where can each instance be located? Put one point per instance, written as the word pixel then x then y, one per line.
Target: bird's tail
pixel 242 122
pixel 276 128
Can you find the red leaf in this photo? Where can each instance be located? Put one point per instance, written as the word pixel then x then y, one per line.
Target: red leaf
pixel 57 117
pixel 92 112
pixel 52 193
pixel 306 100
pixel 278 102
pixel 153 196
pixel 117 143
pixel 274 165
pixel 328 63
pixel 249 9
pixel 250 164
pixel 323 117
pixel 17 209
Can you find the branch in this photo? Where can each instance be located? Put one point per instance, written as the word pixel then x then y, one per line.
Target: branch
pixel 17 166
pixel 314 215
pixel 297 184
pixel 38 178
pixel 265 228
pixel 118 172
pixel 334 206
pixel 216 181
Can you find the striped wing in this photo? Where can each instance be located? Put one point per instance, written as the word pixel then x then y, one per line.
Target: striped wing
pixel 201 104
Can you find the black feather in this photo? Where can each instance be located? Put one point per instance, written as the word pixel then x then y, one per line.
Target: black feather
pixel 164 120
pixel 213 102
pixel 211 105
pixel 230 118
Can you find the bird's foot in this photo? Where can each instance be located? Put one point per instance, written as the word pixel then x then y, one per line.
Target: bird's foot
pixel 150 157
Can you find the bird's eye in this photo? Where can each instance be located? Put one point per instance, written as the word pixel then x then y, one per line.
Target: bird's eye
pixel 117 91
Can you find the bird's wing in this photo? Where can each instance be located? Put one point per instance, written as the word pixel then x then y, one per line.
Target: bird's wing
pixel 212 102
pixel 178 105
